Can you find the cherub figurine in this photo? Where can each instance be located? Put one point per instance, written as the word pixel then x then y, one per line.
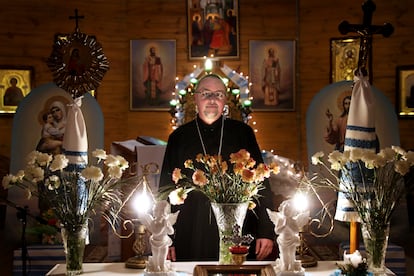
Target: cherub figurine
pixel 288 222
pixel 160 226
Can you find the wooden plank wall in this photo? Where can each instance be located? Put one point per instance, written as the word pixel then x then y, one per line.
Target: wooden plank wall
pixel 28 28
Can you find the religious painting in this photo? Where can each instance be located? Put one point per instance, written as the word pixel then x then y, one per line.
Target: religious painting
pixel 153 74
pixel 272 74
pixel 405 91
pixel 344 58
pixel 213 29
pixel 15 83
pixel 78 63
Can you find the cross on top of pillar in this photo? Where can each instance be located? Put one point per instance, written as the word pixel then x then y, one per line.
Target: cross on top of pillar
pixel 76 17
pixel 365 30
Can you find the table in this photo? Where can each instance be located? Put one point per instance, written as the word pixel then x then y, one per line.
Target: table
pixel 324 268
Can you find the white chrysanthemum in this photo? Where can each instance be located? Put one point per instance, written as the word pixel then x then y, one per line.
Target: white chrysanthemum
pixel 123 164
pixel 59 162
pixel 317 158
pixel 100 154
pixel 111 160
pixel 115 172
pixel 402 167
pixel 92 173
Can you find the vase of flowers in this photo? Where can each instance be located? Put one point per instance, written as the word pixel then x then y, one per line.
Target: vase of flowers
pixel 227 215
pixel 74 240
pixel 231 186
pixel 74 194
pixel 375 238
pixel 374 184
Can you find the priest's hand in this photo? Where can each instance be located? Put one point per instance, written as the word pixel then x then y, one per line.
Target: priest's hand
pixel 264 248
pixel 171 254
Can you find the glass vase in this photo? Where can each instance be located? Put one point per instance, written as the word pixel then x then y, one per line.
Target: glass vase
pixel 227 215
pixel 375 238
pixel 74 241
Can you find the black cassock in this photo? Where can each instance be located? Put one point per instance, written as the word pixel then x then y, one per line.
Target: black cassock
pixel 196 235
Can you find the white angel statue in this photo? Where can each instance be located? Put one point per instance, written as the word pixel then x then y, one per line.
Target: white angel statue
pixel 288 222
pixel 160 226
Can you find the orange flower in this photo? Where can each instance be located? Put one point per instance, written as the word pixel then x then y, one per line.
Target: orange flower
pixel 176 175
pixel 262 172
pixel 224 167
pixel 240 157
pixel 248 175
pixel 274 167
pixel 199 178
pixel 188 164
pixel 238 168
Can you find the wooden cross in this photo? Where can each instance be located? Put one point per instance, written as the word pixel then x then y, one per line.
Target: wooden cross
pixel 77 17
pixel 365 30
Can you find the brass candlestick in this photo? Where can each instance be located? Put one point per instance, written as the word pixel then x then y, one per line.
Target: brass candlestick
pixel 139 247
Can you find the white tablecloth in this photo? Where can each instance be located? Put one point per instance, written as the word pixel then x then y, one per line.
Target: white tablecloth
pixel 324 268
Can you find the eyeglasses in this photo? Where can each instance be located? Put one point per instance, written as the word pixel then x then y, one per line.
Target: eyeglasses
pixel 206 94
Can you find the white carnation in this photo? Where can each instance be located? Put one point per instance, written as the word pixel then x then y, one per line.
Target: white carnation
pixel 317 158
pixel 111 160
pixel 92 173
pixel 115 172
pixel 100 154
pixel 59 162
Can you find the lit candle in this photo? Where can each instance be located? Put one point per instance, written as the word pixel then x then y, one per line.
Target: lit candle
pixel 208 65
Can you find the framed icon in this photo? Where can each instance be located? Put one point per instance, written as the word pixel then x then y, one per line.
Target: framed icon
pixel 405 91
pixel 153 73
pixel 213 29
pixel 272 72
pixel 16 82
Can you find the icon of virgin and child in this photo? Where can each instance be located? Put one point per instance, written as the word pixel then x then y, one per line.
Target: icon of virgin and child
pixel 53 127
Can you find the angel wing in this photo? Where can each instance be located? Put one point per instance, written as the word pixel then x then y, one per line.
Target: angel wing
pixel 274 216
pixel 172 217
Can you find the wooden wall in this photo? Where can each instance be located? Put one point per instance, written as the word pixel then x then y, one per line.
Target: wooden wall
pixel 28 29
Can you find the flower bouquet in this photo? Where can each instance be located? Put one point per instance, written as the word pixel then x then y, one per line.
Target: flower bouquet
pixel 221 184
pixel 231 186
pixel 73 194
pixel 374 184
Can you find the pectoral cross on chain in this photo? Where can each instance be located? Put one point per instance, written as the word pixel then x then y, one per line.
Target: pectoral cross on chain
pixel 365 30
pixel 77 17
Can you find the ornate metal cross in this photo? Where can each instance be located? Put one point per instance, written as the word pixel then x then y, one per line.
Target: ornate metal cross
pixel 77 17
pixel 365 30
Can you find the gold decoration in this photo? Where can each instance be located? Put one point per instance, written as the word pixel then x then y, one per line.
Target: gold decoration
pixel 77 62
